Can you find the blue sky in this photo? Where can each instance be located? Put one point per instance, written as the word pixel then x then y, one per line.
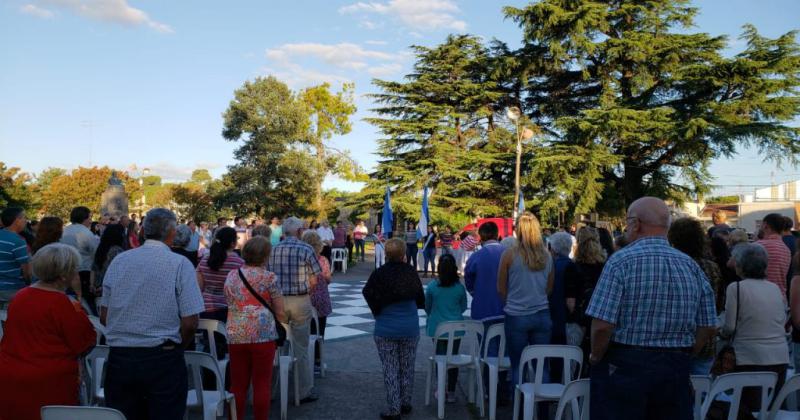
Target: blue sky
pixel 123 82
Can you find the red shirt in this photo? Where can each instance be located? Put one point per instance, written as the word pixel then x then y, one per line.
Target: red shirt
pixel 779 261
pixel 45 334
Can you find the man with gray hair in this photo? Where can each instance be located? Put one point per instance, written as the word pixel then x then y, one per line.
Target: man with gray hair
pixel 295 265
pixel 150 308
pixel 653 308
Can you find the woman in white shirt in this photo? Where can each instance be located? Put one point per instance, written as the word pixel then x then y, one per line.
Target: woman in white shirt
pixel 755 313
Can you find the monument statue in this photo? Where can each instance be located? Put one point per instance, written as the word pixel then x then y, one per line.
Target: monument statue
pixel 114 200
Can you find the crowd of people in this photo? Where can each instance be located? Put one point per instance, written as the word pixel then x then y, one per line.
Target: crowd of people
pixel 647 308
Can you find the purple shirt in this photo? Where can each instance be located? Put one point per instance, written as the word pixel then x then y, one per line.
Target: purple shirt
pixel 339 237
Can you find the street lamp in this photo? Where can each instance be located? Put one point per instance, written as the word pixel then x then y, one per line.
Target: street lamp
pixel 514 114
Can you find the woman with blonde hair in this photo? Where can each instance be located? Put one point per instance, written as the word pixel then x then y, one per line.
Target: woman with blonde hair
pixel 320 296
pixel 524 281
pixel 580 279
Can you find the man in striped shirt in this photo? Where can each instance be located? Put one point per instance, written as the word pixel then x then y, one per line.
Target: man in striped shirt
pixel 780 258
pixel 15 271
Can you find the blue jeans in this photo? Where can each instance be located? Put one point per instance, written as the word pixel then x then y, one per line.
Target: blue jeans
pixel 359 249
pixel 411 255
pixel 525 330
pixel 429 256
pixel 640 384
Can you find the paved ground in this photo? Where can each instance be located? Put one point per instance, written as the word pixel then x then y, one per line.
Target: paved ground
pixel 353 387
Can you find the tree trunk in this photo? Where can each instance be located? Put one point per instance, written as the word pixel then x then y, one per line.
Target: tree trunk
pixel 318 207
pixel 632 183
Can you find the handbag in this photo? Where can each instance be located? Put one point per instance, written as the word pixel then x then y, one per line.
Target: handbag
pixel 278 326
pixel 725 361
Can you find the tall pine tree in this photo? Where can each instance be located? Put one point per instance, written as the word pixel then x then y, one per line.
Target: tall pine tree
pixel 439 130
pixel 629 104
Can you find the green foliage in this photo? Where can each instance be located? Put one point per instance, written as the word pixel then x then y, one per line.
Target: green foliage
pixel 629 104
pixel 83 187
pixel 725 199
pixel 17 189
pixel 439 130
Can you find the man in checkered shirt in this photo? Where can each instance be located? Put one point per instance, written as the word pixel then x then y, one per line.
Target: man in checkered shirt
pixel 653 309
pixel 295 265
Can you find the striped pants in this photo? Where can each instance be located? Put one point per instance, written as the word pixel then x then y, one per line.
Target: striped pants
pixel 397 357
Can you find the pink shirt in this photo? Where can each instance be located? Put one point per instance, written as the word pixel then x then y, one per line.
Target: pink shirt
pixel 779 261
pixel 214 281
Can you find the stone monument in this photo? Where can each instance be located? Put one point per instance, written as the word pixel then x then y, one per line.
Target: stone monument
pixel 114 200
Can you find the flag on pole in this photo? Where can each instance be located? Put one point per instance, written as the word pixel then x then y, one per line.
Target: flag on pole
pixel 424 216
pixel 521 207
pixel 388 219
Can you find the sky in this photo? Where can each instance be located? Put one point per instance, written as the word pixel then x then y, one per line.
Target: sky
pixel 144 83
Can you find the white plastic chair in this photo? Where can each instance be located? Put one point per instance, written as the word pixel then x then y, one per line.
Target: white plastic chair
pixel 313 339
pixel 472 331
pixel 576 394
pixel 701 385
pixel 285 361
pixel 210 403
pixel 536 391
pixel 211 326
pixel 95 365
pixel 735 382
pixel 339 255
pixel 99 328
pixel 495 364
pixel 68 412
pixel 791 386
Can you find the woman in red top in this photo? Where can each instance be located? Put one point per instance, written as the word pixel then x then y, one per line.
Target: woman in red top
pixel 45 334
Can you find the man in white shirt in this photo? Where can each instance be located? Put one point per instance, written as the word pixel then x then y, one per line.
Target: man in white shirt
pixel 326 235
pixel 79 236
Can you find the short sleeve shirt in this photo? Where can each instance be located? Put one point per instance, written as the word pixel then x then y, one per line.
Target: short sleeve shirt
pixel 655 295
pixel 293 262
pixel 214 280
pixel 248 320
pixel 147 291
pixel 13 254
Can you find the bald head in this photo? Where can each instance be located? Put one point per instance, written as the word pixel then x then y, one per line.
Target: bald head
pixel 647 216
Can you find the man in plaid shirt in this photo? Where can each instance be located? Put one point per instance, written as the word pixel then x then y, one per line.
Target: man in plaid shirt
pixel 295 265
pixel 653 309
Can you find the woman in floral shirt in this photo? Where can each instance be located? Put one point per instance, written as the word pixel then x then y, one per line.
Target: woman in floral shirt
pixel 251 327
pixel 320 298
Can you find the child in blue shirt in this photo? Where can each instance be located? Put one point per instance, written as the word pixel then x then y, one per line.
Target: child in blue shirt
pixel 446 300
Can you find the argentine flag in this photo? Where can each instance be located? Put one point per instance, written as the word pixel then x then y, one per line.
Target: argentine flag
pixel 387 222
pixel 424 216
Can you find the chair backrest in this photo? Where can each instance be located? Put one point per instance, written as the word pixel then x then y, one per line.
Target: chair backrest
pixel 197 361
pixel 211 326
pixel 576 394
pixel 464 330
pixel 495 331
pixel 95 365
pixel 537 355
pixel 99 328
pixel 65 412
pixel 791 386
pixel 701 385
pixel 736 382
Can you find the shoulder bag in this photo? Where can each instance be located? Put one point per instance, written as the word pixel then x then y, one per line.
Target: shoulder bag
pixel 278 326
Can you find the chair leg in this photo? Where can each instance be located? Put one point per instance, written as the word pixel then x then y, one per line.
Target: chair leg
pixel 441 386
pixel 471 387
pixel 479 386
pixel 321 358
pixel 528 407
pixel 428 384
pixel 493 378
pixel 284 378
pixel 516 404
pixel 296 385
pixel 232 408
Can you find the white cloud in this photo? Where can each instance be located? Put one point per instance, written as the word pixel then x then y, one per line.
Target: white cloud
pixel 375 42
pixel 171 172
pixel 343 55
pixel 384 70
pixel 113 11
pixel 34 10
pixel 416 14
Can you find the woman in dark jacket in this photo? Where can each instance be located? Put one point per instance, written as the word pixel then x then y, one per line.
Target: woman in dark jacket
pixel 394 294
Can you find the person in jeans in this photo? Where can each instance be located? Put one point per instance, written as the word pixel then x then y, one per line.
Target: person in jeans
pixel 296 268
pixel 251 328
pixel 524 280
pixel 360 232
pixel 653 308
pixel 429 251
pixel 150 308
pixel 78 235
pixel 15 272
pixel 412 237
pixel 394 294
pixel 446 300
pixel 754 309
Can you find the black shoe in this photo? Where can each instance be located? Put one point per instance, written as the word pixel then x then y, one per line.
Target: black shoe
pixel 385 416
pixel 405 409
pixel 310 398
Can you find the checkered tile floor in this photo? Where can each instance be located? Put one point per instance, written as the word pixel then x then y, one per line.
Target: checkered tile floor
pixel 351 316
